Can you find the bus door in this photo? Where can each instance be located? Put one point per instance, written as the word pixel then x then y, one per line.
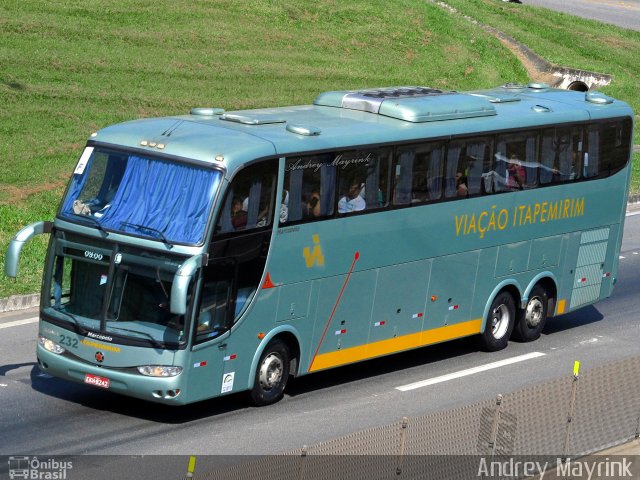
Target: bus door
pixel 229 282
pixel 214 314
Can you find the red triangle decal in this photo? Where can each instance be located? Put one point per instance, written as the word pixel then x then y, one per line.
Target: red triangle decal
pixel 267 282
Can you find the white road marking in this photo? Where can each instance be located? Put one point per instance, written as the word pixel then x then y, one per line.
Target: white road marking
pixel 17 323
pixel 470 371
pixel 621 257
pixel 631 214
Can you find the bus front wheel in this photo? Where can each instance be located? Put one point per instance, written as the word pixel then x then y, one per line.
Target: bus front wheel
pixel 532 318
pixel 272 374
pixel 500 323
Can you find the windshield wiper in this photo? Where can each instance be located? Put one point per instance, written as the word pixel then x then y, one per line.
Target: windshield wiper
pixel 95 222
pixel 154 342
pixel 79 329
pixel 143 227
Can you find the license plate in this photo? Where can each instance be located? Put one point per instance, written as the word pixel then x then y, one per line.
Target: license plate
pixel 96 380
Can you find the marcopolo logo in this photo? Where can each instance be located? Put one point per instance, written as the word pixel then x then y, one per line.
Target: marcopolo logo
pixel 38 469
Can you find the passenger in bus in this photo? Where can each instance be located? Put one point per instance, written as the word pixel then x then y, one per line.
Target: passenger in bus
pixel 461 185
pixel 515 173
pixel 238 215
pixel 284 207
pixel 352 201
pixel 420 190
pixel 313 205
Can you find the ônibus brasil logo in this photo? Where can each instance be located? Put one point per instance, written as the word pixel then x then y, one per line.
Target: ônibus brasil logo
pixel 37 469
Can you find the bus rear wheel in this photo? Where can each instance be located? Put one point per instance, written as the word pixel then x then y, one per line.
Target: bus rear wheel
pixel 532 318
pixel 500 323
pixel 272 374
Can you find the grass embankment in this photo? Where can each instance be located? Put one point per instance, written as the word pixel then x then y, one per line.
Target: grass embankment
pixel 67 69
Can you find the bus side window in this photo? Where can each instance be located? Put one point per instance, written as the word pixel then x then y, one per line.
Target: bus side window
pixel 608 150
pixel 309 184
pixel 563 158
pixel 419 174
pixel 517 161
pixel 466 165
pixel 250 199
pixel 213 315
pixel 362 179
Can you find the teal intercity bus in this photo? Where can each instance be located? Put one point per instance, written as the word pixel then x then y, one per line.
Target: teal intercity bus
pixel 200 255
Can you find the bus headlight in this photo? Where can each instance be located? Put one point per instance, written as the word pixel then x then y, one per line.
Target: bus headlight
pixel 159 371
pixel 50 345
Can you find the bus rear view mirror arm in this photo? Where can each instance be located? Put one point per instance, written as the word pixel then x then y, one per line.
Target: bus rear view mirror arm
pixel 181 280
pixel 16 244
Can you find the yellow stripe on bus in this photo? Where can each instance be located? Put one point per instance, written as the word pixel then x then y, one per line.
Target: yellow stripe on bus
pixel 398 344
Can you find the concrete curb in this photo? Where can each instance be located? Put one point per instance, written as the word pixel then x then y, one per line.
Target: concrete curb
pixel 19 302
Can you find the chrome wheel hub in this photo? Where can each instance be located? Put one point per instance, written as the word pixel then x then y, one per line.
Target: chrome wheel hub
pixel 271 371
pixel 499 321
pixel 534 311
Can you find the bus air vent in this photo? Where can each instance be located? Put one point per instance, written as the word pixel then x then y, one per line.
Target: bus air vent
pixel 412 104
pixel 206 112
pixel 538 86
pixel 497 97
pixel 251 120
pixel 305 130
pixel 541 109
pixel 597 98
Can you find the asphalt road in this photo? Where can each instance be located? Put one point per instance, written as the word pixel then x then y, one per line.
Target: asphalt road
pixel 41 415
pixel 623 13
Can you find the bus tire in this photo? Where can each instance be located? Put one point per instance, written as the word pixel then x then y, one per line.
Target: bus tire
pixel 500 323
pixel 532 318
pixel 272 374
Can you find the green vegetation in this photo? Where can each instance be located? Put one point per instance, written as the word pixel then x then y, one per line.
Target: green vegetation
pixel 69 68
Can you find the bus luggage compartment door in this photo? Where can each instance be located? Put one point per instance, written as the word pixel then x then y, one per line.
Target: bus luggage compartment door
pixel 589 268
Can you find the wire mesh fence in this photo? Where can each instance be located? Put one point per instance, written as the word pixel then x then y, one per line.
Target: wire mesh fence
pixel 558 420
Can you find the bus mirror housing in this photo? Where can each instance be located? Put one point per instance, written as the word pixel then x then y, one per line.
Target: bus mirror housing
pixel 181 281
pixel 15 245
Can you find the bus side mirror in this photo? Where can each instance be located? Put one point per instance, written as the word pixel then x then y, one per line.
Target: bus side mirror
pixel 15 245
pixel 181 281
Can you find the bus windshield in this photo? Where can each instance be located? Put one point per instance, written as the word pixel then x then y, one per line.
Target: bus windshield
pixel 143 196
pixel 133 304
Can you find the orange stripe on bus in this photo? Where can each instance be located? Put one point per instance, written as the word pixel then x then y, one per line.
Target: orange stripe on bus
pixel 561 307
pixel 392 345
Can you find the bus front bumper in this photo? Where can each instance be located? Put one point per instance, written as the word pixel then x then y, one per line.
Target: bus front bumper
pixel 166 390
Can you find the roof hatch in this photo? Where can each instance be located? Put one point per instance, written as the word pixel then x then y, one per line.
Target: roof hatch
pixel 412 104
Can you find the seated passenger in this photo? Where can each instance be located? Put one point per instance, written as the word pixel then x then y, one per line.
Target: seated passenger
pixel 461 185
pixel 352 201
pixel 313 205
pixel 238 215
pixel 516 174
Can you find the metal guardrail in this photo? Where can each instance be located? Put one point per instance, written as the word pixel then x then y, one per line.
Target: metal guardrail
pixel 563 419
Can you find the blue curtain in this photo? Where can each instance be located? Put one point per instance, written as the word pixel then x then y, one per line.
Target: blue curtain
pixel 592 158
pixel 295 195
pixel 112 176
pixel 453 158
pixel 404 180
pixel 172 198
pixel 531 161
pixel 372 183
pixel 77 183
pixel 327 188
